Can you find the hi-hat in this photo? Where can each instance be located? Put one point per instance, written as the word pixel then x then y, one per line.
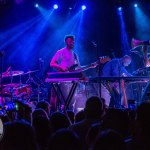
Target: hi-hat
pixel 12 73
pixel 11 85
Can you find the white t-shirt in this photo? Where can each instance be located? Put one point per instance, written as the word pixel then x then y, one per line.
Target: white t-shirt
pixel 65 57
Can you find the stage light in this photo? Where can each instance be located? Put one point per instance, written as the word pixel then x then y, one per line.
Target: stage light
pixel 119 8
pixel 55 6
pixel 83 7
pixel 135 5
pixel 36 5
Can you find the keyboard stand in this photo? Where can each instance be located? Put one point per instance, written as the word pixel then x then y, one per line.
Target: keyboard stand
pixel 60 96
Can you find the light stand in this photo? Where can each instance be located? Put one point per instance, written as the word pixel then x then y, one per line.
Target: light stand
pixel 98 70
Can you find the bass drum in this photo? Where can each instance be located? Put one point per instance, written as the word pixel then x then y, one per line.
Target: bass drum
pixel 23 91
pixel 135 90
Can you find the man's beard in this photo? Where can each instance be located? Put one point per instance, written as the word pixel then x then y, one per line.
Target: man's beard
pixel 70 47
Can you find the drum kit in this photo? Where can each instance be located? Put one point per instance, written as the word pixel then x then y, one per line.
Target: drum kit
pixel 19 91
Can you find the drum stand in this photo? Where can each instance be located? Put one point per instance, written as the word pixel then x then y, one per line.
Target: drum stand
pixel 31 80
pixel 11 88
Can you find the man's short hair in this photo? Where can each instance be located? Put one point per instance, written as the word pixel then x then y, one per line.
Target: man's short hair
pixel 69 36
pixel 126 57
pixel 94 107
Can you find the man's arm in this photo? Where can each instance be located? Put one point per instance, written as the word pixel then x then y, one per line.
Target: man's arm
pixel 106 71
pixel 124 72
pixel 54 63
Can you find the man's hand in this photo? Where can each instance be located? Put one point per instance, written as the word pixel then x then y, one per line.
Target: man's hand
pixel 145 48
pixel 84 78
pixel 93 65
pixel 64 69
pixel 124 75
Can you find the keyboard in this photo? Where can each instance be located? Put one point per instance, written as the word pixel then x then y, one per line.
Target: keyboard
pixel 63 76
pixel 112 79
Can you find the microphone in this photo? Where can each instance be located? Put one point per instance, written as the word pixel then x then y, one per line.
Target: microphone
pixel 94 43
pixel 40 63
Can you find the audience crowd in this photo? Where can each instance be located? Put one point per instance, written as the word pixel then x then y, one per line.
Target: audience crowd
pixel 94 128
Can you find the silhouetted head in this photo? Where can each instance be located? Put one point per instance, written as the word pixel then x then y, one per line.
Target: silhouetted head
pixel 94 108
pixel 64 139
pixel 58 121
pixel 109 140
pixel 44 105
pixel 39 112
pixel 18 135
pixel 80 116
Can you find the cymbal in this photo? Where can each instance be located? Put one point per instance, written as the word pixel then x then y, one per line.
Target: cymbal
pixel 11 85
pixel 29 72
pixel 12 73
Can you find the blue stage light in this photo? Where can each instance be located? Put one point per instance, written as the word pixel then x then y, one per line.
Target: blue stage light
pixel 36 5
pixel 119 8
pixel 83 7
pixel 135 5
pixel 55 6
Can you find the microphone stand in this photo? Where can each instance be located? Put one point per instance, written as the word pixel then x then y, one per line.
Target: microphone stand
pixel 98 70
